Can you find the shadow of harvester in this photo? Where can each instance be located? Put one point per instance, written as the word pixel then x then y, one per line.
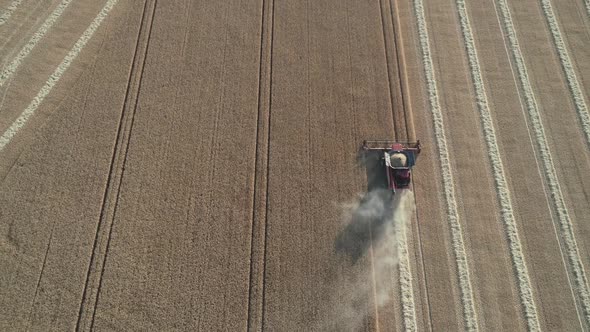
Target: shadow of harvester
pixel 371 214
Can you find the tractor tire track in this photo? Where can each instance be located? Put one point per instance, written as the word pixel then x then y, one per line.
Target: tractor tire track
pixel 568 68
pixel 502 190
pixel 401 70
pixel 466 288
pixel 565 224
pixel 9 70
pixel 258 244
pixel 411 136
pixel 100 248
pixel 401 130
pixel 392 66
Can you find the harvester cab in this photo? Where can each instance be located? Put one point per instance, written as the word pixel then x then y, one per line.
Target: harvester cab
pixel 397 159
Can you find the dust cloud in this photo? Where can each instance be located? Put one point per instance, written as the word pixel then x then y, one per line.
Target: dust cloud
pixel 371 236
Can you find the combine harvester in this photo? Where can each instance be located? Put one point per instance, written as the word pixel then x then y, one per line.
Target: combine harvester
pixel 397 158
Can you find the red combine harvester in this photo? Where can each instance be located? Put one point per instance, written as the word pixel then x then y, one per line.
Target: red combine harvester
pixel 398 158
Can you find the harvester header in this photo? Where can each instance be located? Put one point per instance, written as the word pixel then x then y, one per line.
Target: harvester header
pixel 397 158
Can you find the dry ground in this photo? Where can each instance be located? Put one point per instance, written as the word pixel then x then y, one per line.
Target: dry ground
pixel 186 165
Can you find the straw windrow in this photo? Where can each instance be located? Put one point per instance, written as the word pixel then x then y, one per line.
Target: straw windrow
pixel 502 190
pixel 568 68
pixel 556 195
pixel 469 313
pixel 5 16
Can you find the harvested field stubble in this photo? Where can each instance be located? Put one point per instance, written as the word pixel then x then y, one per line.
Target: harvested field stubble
pixel 57 74
pixel 404 209
pixel 556 194
pixel 502 191
pixel 570 74
pixel 9 70
pixel 52 190
pixel 469 313
pixel 6 13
